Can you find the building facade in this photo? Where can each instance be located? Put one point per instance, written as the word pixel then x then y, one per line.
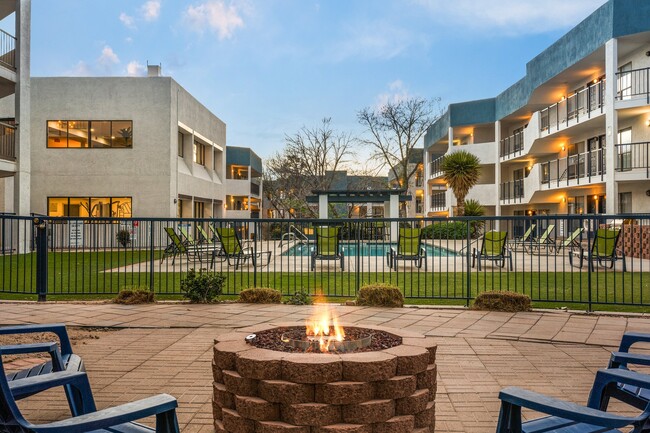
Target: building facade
pixel 415 188
pixel 243 183
pixel 571 137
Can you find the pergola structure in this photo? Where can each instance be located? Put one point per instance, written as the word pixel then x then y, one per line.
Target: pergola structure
pixel 390 197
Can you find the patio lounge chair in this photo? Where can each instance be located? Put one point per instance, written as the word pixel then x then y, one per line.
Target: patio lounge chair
pixel 115 419
pixel 570 417
pixel 409 247
pixel 237 253
pixel 61 359
pixel 178 247
pixel 603 250
pixel 494 248
pixel 572 242
pixel 632 395
pixel 519 244
pixel 327 246
pixel 543 242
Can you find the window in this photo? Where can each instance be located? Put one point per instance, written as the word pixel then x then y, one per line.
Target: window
pixel 116 207
pixel 239 172
pixel 89 133
pixel 199 153
pixel 180 144
pixel 624 81
pixel 624 150
pixel 625 202
pixel 199 209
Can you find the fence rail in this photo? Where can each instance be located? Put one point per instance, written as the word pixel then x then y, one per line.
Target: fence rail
pixel 456 259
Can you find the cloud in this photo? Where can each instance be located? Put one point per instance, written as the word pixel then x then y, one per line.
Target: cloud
pixel 216 16
pixel 81 69
pixel 397 92
pixel 372 41
pixel 127 20
pixel 108 57
pixel 150 10
pixel 511 17
pixel 135 69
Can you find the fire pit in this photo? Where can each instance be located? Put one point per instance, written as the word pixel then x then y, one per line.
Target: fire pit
pixel 323 377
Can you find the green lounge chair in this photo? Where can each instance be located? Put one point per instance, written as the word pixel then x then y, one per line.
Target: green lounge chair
pixel 603 250
pixel 327 246
pixel 519 244
pixel 184 248
pixel 572 242
pixel 190 241
pixel 205 239
pixel 494 248
pixel 409 247
pixel 235 253
pixel 543 242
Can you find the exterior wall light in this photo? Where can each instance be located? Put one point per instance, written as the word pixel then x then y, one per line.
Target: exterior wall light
pixel 647 122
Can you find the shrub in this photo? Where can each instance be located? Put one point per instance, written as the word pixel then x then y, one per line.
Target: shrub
pixel 202 287
pixel 474 208
pixel 502 301
pixel 445 230
pixel 299 298
pixel 260 295
pixel 130 295
pixel 380 295
pixel 123 237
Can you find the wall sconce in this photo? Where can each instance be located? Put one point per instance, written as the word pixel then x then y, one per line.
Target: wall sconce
pixel 563 199
pixel 563 148
pixel 647 122
pixel 595 197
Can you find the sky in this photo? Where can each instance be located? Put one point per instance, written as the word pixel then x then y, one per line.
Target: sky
pixel 269 67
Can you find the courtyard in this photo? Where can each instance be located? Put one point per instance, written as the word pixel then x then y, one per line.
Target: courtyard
pixel 135 351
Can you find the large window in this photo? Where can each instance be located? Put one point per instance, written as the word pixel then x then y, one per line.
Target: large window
pixel 116 207
pixel 90 133
pixel 199 153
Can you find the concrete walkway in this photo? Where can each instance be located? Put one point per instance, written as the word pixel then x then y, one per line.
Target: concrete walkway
pixel 168 348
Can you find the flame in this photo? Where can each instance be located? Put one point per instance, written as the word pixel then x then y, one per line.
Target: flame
pixel 323 326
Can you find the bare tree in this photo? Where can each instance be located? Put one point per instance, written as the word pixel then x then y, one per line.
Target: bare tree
pixel 393 131
pixel 306 163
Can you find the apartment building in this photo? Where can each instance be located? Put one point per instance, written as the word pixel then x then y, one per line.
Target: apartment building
pixel 415 188
pixel 571 137
pixel 243 183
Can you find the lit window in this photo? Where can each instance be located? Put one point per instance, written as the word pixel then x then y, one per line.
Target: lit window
pixel 89 134
pixel 199 153
pixel 115 207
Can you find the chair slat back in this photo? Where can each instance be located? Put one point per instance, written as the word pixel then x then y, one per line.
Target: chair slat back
pixel 186 235
pixel 327 241
pixel 203 234
pixel 409 241
pixel 229 240
pixel 494 243
pixel 547 233
pixel 605 242
pixel 175 239
pixel 529 232
pixel 568 241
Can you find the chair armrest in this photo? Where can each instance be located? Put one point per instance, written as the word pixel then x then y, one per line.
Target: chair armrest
pixel 33 384
pixel 618 359
pixel 56 328
pixel 612 377
pixel 563 409
pixel 110 417
pixel 21 349
pixel 629 338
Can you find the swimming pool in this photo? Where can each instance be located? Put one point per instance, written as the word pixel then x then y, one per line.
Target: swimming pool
pixel 368 249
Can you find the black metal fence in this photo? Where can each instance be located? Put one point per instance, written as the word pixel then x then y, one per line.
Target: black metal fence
pixel 584 261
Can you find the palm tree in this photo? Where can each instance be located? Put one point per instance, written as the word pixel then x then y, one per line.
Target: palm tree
pixel 461 170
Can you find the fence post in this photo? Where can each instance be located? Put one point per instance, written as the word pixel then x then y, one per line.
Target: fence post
pixel 590 241
pixel 151 255
pixel 41 258
pixel 257 232
pixel 468 255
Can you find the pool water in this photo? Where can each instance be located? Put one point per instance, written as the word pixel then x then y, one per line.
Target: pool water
pixel 366 250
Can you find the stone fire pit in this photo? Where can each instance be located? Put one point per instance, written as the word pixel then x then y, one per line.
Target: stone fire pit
pixel 268 391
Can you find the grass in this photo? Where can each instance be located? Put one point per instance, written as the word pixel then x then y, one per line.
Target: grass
pixel 83 276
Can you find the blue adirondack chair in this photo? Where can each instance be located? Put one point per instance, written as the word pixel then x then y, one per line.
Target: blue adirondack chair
pixel 566 417
pixel 118 419
pixel 61 359
pixel 632 395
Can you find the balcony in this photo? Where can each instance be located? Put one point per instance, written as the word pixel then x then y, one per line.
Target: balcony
pixel 512 192
pixel 255 189
pixel 583 168
pixel 438 202
pixel 633 84
pixel 7 50
pixel 633 157
pixel 512 145
pixel 580 106
pixel 434 168
pixel 7 141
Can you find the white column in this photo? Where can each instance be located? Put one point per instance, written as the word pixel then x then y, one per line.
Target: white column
pixel 497 168
pixel 323 206
pixel 451 143
pixel 611 122
pixel 394 213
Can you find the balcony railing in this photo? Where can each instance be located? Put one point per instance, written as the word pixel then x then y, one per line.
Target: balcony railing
pixel 585 167
pixel 438 201
pixel 255 189
pixel 512 191
pixel 579 106
pixel 434 168
pixel 633 83
pixel 512 145
pixel 633 156
pixel 7 50
pixel 7 141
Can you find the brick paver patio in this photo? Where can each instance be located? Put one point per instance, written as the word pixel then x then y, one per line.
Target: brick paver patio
pixel 167 347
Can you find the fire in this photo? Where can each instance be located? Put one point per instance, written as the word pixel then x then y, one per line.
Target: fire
pixel 323 327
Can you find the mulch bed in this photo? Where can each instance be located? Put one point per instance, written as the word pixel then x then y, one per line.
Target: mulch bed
pixel 272 339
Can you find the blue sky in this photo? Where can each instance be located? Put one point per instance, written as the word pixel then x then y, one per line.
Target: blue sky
pixel 268 67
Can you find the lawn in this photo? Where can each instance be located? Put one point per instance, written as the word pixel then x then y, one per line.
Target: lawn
pixel 82 275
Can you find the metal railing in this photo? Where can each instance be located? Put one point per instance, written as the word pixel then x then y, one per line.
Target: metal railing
pixel 255 189
pixel 67 258
pixel 632 156
pixel 438 201
pixel 7 145
pixel 583 168
pixel 512 191
pixel 634 83
pixel 434 168
pixel 579 106
pixel 7 50
pixel 512 145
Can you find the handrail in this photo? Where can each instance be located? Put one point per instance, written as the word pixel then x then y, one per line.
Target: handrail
pixel 580 104
pixel 590 164
pixel 635 82
pixel 512 144
pixel 631 156
pixel 434 167
pixel 7 49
